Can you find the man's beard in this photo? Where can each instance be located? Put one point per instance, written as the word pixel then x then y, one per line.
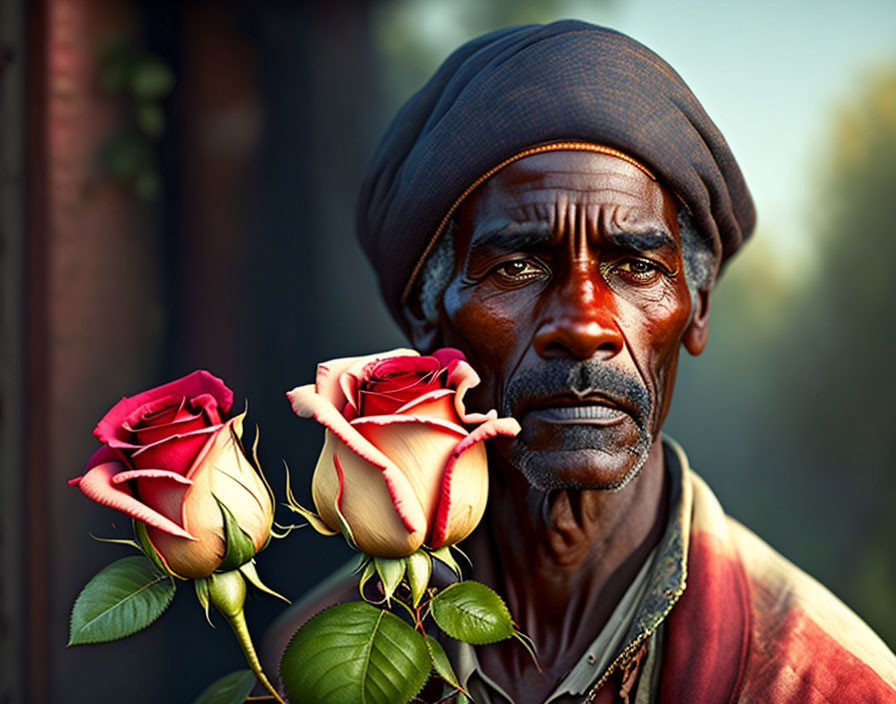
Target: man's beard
pixel 561 376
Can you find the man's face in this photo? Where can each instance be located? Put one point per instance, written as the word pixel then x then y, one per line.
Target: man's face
pixel 569 299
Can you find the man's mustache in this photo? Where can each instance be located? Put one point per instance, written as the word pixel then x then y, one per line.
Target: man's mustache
pixel 559 377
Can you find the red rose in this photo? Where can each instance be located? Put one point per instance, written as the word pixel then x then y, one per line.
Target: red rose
pixel 171 461
pixel 398 465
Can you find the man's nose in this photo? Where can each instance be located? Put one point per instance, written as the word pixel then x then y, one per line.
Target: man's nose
pixel 582 322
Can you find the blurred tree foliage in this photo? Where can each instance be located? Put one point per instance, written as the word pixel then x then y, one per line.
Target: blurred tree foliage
pixel 848 329
pixel 798 444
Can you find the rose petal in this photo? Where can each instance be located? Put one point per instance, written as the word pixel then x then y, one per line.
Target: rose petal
pixel 327 380
pixel 380 506
pixel 419 447
pixel 220 472
pixel 352 377
pixel 308 404
pixel 436 404
pixel 110 431
pixel 448 355
pixel 464 491
pixel 462 378
pixel 176 453
pixel 237 485
pixel 98 484
pixel 149 434
pixel 129 474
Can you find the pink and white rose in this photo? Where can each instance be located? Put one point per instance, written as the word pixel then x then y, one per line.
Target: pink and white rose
pixel 171 459
pixel 403 462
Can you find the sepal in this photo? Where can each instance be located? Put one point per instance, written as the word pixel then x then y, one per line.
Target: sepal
pixel 391 572
pixel 201 586
pixel 240 548
pixel 145 544
pixel 419 572
pixel 444 555
pixel 249 571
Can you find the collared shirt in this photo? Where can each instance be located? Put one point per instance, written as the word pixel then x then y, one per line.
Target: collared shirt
pixel 634 624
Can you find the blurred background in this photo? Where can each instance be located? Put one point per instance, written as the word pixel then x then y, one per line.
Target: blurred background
pixel 177 187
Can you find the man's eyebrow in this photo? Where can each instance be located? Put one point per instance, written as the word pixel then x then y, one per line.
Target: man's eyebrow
pixel 643 241
pixel 511 237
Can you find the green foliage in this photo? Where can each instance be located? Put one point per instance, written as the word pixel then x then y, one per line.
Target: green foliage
pixel 391 572
pixel 444 555
pixel 240 548
pixel 140 82
pixel 150 79
pixel 230 689
pixel 419 572
pixel 441 663
pixel 471 612
pixel 125 597
pixel 355 652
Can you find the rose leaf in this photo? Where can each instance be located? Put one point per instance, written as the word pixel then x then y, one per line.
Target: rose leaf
pixel 471 612
pixel 355 652
pixel 125 597
pixel 441 663
pixel 230 689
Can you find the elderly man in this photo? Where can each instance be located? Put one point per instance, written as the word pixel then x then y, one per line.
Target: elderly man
pixel 556 203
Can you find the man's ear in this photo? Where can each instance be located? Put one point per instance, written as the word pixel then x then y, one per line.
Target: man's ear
pixel 697 332
pixel 424 334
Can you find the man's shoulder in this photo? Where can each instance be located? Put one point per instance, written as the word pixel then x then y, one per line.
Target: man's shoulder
pixel 800 642
pixel 804 642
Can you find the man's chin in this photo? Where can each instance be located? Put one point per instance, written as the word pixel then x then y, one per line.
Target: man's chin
pixel 608 466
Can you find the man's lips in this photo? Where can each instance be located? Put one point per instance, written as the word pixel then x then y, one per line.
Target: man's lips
pixel 572 410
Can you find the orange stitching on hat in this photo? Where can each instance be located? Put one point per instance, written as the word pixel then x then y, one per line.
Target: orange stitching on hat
pixel 540 149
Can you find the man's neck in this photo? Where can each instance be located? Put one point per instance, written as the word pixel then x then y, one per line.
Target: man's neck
pixel 562 560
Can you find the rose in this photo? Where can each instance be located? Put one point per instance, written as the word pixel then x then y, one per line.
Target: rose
pixel 171 462
pixel 398 468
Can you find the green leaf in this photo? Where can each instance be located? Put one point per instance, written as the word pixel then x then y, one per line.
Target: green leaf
pixel 240 548
pixel 441 663
pixel 150 79
pixel 444 555
pixel 122 599
pixel 471 612
pixel 230 689
pixel 355 652
pixel 390 570
pixel 419 572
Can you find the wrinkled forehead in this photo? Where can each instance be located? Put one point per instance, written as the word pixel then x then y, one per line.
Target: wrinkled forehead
pixel 548 191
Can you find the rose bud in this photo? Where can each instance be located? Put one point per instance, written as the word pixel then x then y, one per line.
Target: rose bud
pixel 171 461
pixel 403 462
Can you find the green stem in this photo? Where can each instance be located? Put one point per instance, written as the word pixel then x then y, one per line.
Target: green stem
pixel 227 591
pixel 241 630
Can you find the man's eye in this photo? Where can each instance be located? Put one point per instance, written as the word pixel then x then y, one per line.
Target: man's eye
pixel 519 270
pixel 638 270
